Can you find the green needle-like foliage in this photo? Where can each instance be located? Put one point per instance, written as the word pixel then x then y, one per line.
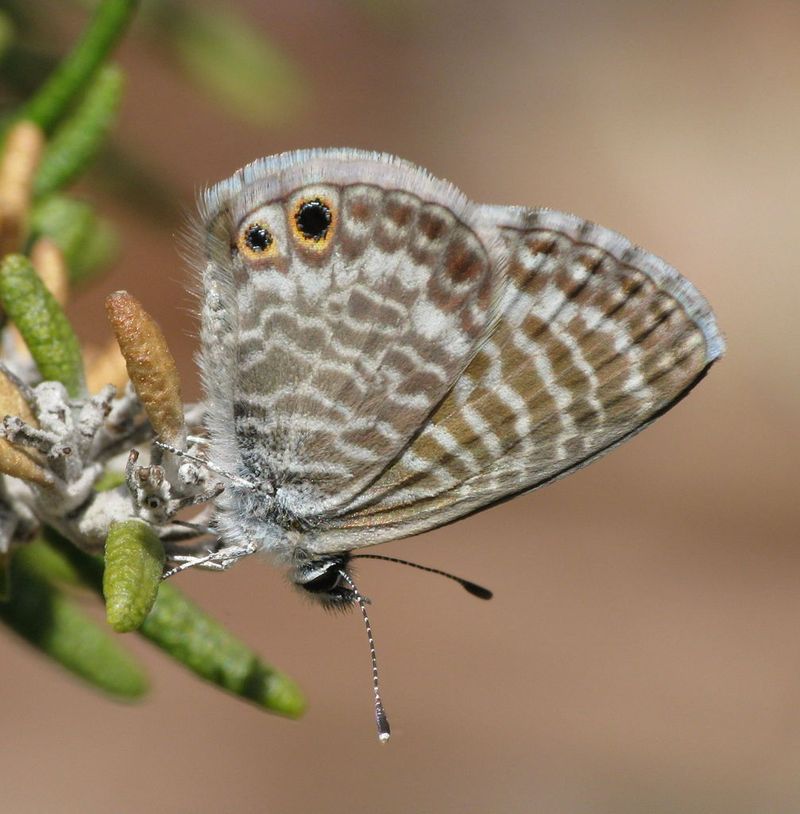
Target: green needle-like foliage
pixel 5 576
pixel 200 643
pixel 134 563
pixel 207 648
pixel 48 563
pixel 75 72
pixel 77 140
pixel 43 325
pixel 54 624
pixel 88 242
pixel 242 69
pixel 6 33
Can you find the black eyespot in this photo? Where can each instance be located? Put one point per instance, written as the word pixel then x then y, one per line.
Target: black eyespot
pixel 258 238
pixel 313 220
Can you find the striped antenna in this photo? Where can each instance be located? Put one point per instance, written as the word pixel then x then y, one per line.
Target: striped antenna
pixel 382 721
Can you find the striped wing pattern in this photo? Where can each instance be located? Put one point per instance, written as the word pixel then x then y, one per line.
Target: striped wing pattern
pixel 342 353
pixel 431 357
pixel 596 339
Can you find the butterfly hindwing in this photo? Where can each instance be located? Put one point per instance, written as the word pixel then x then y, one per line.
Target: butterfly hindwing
pixel 596 338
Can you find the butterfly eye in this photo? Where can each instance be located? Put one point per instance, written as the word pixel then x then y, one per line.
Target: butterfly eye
pixel 255 240
pixel 312 220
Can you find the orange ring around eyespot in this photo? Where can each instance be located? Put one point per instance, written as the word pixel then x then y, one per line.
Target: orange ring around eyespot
pixel 250 251
pixel 309 241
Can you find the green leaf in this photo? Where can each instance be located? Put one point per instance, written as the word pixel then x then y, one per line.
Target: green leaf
pixel 6 33
pixel 238 65
pixel 207 648
pixel 77 69
pixel 5 576
pixel 46 562
pixel 200 643
pixel 78 139
pixel 43 325
pixel 110 479
pixel 55 625
pixel 89 243
pixel 134 563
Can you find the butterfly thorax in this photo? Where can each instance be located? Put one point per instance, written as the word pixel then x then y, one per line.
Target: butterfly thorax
pixel 254 520
pixel 259 518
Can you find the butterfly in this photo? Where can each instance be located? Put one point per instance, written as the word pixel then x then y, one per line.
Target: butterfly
pixel 381 356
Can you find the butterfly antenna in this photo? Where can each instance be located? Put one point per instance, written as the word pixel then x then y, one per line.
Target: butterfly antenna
pixel 207 464
pixel 471 587
pixel 380 716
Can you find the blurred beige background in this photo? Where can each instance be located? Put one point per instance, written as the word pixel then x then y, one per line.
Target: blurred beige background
pixel 642 652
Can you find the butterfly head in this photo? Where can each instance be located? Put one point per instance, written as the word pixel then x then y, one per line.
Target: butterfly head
pixel 324 579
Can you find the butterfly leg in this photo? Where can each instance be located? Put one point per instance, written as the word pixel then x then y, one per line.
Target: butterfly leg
pixel 220 560
pixel 205 496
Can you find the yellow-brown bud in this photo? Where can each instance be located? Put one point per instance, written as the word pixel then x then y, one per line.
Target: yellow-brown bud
pixel 151 366
pixel 18 165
